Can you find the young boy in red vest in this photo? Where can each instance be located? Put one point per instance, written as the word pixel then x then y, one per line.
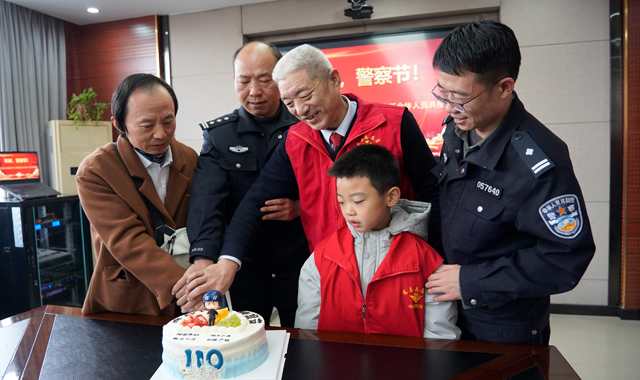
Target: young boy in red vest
pixel 369 275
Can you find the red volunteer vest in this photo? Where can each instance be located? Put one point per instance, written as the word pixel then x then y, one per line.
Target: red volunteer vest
pixel 395 296
pixel 319 209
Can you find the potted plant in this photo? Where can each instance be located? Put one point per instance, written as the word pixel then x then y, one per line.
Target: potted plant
pixel 85 108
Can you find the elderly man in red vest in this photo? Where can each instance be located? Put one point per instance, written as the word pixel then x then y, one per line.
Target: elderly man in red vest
pixel 330 125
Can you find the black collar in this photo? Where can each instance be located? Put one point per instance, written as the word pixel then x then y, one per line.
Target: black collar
pixel 491 151
pixel 247 123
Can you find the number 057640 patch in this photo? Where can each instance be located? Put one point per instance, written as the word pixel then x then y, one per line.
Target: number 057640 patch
pixel 563 216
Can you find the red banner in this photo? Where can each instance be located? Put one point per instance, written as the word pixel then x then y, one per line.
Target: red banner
pixel 397 73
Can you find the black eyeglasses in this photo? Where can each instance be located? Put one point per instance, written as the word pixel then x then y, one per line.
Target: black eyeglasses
pixel 459 106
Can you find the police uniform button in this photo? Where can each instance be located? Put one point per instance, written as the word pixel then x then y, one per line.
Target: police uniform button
pixel 238 166
pixel 462 171
pixel 473 302
pixel 262 134
pixel 457 150
pixel 480 209
pixel 273 275
pixel 534 332
pixel 518 137
pixel 280 136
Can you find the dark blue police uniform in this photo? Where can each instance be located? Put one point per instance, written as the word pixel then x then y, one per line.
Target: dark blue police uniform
pixel 514 218
pixel 236 148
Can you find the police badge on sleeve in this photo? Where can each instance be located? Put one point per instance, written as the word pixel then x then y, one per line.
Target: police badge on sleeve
pixel 563 216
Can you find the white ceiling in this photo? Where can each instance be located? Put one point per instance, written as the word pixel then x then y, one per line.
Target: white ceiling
pixel 75 11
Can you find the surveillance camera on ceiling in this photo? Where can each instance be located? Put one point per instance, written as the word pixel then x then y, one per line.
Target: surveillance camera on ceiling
pixel 358 9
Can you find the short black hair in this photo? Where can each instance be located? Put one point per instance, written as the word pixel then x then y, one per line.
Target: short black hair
pixel 274 50
pixel 124 90
pixel 486 48
pixel 374 162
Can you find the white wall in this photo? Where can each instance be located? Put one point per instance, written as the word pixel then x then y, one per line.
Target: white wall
pixel 564 78
pixel 565 83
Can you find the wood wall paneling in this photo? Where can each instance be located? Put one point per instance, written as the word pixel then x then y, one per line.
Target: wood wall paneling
pixel 102 55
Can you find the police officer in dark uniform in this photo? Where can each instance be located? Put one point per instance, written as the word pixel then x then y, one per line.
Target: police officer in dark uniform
pixel 514 225
pixel 236 148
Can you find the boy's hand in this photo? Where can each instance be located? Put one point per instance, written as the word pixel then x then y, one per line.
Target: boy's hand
pixel 283 209
pixel 445 282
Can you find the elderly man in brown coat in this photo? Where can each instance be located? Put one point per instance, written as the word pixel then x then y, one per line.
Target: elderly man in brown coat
pixel 132 274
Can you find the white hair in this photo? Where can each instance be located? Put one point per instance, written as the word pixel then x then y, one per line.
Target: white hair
pixel 304 57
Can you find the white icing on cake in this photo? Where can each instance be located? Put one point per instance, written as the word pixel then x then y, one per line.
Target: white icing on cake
pixel 212 352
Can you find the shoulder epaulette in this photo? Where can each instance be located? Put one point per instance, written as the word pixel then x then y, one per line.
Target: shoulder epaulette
pixel 532 155
pixel 219 121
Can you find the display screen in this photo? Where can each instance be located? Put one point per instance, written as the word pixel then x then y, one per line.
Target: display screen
pixel 392 68
pixel 18 166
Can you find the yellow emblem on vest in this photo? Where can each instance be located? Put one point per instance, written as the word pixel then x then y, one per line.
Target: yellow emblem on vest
pixel 416 295
pixel 368 140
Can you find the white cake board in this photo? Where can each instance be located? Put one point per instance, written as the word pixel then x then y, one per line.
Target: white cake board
pixel 271 369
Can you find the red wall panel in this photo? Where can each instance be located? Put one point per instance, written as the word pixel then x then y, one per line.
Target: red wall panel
pixel 630 295
pixel 102 55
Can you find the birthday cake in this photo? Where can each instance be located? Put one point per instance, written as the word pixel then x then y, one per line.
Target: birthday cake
pixel 236 344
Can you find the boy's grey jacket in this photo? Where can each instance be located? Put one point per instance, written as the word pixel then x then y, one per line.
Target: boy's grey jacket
pixel 371 248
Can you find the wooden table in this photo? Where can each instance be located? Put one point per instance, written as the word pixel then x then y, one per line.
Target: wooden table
pixel 312 354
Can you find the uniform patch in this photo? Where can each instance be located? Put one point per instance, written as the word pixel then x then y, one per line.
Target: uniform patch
pixel 489 189
pixel 239 149
pixel 563 216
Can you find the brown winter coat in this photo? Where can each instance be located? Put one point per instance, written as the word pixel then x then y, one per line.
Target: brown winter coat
pixel 122 231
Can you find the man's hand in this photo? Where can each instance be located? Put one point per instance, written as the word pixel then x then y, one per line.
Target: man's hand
pixel 446 282
pixel 180 288
pixel 214 277
pixel 283 209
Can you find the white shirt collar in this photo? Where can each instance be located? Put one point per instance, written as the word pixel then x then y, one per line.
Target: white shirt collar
pixel 159 174
pixel 343 128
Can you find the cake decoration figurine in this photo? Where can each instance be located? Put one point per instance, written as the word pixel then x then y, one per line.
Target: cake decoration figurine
pixel 212 301
pixel 216 309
